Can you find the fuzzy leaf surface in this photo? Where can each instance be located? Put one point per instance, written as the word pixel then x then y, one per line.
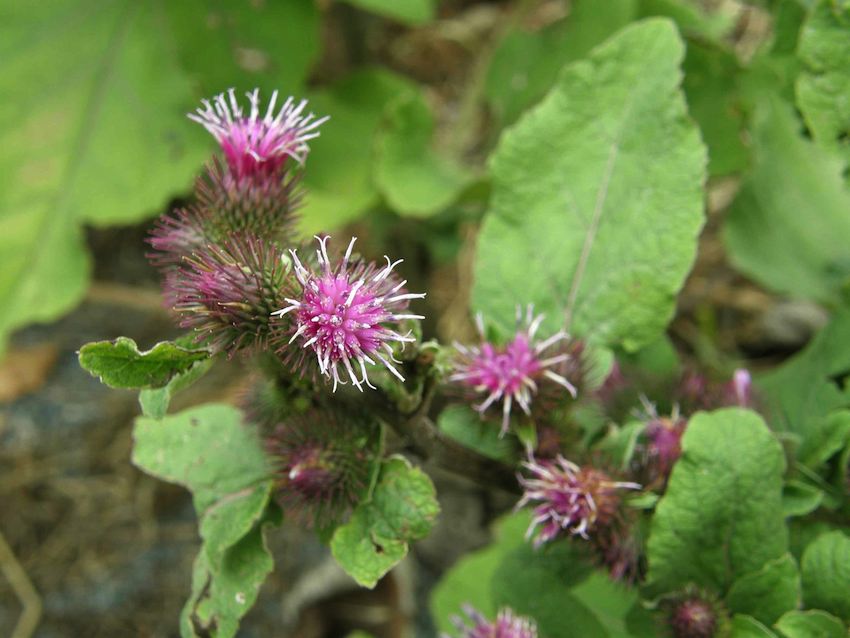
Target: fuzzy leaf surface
pixel 403 508
pixel 608 155
pixel 810 624
pixel 721 516
pixel 414 177
pixel 823 88
pixel 826 574
pixel 794 202
pixel 120 363
pixel 768 593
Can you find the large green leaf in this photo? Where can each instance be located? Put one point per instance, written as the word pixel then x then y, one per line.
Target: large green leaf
pixel 826 574
pixel 120 364
pixel 823 88
pixel 767 593
pixel 93 125
pixel 721 516
pixel 402 508
pixel 608 156
pixel 339 174
pixel 413 176
pixel 794 203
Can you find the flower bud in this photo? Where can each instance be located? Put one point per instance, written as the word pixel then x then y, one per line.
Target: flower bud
pixel 506 625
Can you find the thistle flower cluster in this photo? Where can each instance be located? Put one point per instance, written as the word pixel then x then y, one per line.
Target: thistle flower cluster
pixel 348 314
pixel 323 462
pixel 513 373
pixel 568 500
pixel 506 625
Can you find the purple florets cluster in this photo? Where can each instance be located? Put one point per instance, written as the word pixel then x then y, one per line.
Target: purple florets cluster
pixel 506 625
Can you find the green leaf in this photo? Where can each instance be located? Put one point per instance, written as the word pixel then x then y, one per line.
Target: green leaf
pixel 768 593
pixel 413 177
pixel 799 499
pixel 711 88
pixel 803 392
pixel 407 11
pixel 744 626
pixel 794 202
pixel 810 624
pixel 690 18
pixel 537 584
pixel 403 508
pixel 824 84
pixel 526 64
pixel 721 516
pixel 222 594
pixel 826 574
pixel 465 425
pixel 615 605
pixel 619 443
pixel 268 45
pixel 339 170
pixel 468 581
pixel 610 154
pixel 207 449
pixel 155 401
pixel 120 364
pixel 828 436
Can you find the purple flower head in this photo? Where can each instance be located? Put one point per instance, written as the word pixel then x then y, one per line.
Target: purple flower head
pixel 227 292
pixel 262 208
pixel 255 146
pixel 506 625
pixel 661 446
pixel 512 373
pixel 694 616
pixel 568 499
pixel 323 461
pixel 740 389
pixel 345 312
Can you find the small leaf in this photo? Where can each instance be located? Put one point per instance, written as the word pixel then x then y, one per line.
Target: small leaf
pixel 339 173
pixel 402 508
pixel 415 179
pixel 768 593
pixel 609 155
pixel 120 364
pixel 721 516
pixel 465 426
pixel 794 202
pixel 207 449
pixel 744 626
pixel 222 594
pixel 810 624
pixel 799 499
pixel 407 11
pixel 826 574
pixel 155 401
pixel 824 83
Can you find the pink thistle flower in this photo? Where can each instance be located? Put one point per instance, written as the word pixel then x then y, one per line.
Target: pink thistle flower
pixel 258 146
pixel 227 292
pixel 344 311
pixel 662 441
pixel 506 625
pixel 323 462
pixel 692 614
pixel 568 499
pixel 511 373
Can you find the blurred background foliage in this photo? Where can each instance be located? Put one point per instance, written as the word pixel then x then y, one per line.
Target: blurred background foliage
pixel 94 134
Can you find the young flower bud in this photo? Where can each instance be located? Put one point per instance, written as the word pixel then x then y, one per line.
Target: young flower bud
pixel 345 314
pixel 506 625
pixel 257 147
pixel 323 461
pixel 694 615
pixel 661 443
pixel 227 292
pixel 568 500
pixel 513 373
pixel 263 208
